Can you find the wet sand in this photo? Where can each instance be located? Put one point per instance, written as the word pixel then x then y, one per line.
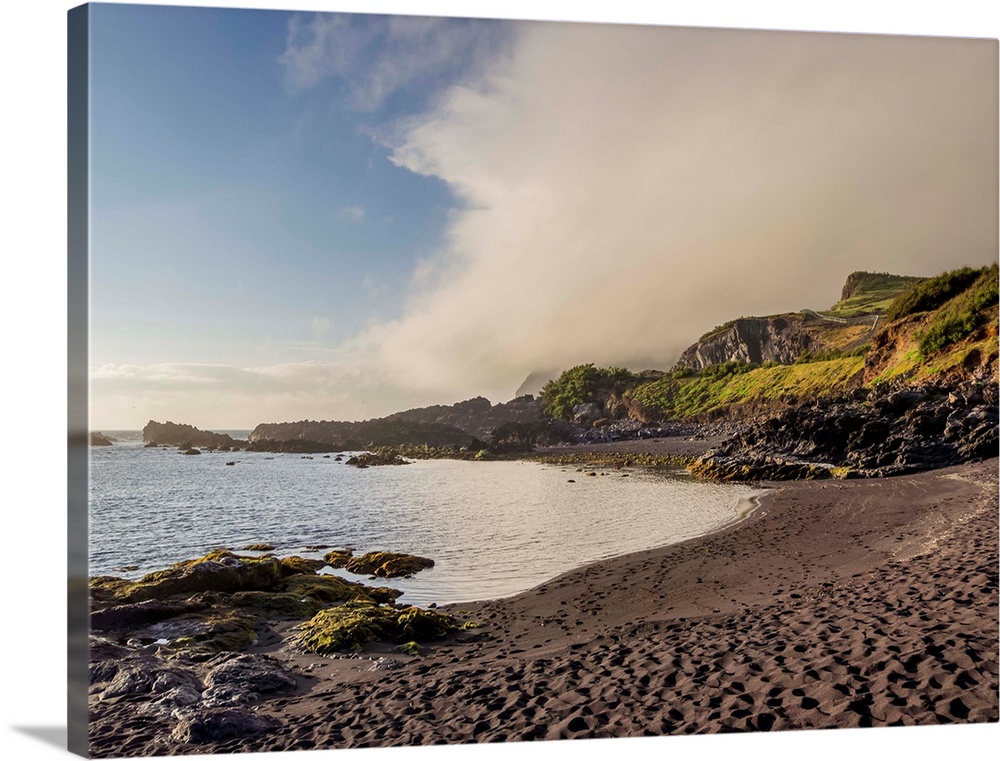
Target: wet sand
pixel 836 604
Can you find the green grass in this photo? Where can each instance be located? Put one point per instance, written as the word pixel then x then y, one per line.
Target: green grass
pixel 934 292
pixel 960 316
pixel 684 397
pixel 872 292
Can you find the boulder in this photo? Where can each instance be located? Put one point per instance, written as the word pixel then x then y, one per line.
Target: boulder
pixel 388 565
pixel 204 725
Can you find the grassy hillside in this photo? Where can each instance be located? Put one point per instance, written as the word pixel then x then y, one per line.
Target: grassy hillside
pixel 679 397
pixel 943 326
pixel 932 328
pixel 870 292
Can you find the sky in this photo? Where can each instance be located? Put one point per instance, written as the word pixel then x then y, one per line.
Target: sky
pixel 336 216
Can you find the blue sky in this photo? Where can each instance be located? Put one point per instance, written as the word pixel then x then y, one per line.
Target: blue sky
pixel 334 216
pixel 234 209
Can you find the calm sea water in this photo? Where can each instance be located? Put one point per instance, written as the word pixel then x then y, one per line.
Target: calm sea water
pixel 493 528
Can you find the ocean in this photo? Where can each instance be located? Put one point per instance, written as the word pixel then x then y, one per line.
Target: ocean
pixel 493 528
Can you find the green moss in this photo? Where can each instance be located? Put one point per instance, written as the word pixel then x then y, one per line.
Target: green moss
pixel 409 648
pixel 612 460
pixel 345 627
pixel 295 565
pixel 422 625
pixel 354 624
pixel 326 589
pixel 388 564
pixel 276 605
pixel 338 558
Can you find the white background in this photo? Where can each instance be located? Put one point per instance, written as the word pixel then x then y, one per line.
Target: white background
pixel 32 659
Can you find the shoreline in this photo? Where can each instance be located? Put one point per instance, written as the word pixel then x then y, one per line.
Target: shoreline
pixel 832 604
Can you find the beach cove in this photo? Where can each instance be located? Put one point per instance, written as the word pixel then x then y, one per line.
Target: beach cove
pixel 836 604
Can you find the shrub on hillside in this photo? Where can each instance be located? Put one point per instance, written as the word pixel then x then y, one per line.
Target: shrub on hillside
pixel 932 293
pixel 579 385
pixel 961 316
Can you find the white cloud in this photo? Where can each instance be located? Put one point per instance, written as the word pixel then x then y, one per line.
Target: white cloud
pixel 628 188
pixel 377 55
pixel 353 214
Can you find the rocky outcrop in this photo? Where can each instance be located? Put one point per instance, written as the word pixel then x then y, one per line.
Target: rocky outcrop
pixel 387 565
pixel 874 432
pixel 98 439
pixel 339 436
pixel 754 340
pixel 368 459
pixel 196 703
pixel 186 437
pixel 524 437
pixel 291 446
pixel 476 417
pixel 436 426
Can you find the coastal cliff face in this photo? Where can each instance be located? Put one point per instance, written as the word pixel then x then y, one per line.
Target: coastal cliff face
pixel 754 340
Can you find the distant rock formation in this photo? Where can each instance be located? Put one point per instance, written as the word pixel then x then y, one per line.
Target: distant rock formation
pixel 876 281
pixel 536 380
pixel 338 436
pixel 186 437
pixel 755 340
pixel 98 439
pixel 436 426
pixel 477 416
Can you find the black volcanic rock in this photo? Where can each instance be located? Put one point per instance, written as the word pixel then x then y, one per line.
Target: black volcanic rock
pixel 871 432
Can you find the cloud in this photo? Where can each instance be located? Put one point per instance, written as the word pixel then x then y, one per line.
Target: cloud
pixel 353 214
pixel 223 397
pixel 375 56
pixel 628 188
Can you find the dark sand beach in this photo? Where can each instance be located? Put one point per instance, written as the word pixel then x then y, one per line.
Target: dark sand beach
pixel 836 604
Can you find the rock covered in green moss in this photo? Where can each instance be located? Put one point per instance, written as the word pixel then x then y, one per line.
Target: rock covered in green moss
pixel 220 601
pixel 338 558
pixel 388 565
pixel 217 571
pixel 353 624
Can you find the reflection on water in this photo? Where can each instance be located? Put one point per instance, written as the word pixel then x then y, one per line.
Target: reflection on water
pixel 493 528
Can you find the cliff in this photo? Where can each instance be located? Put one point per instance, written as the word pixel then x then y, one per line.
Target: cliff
pixel 755 340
